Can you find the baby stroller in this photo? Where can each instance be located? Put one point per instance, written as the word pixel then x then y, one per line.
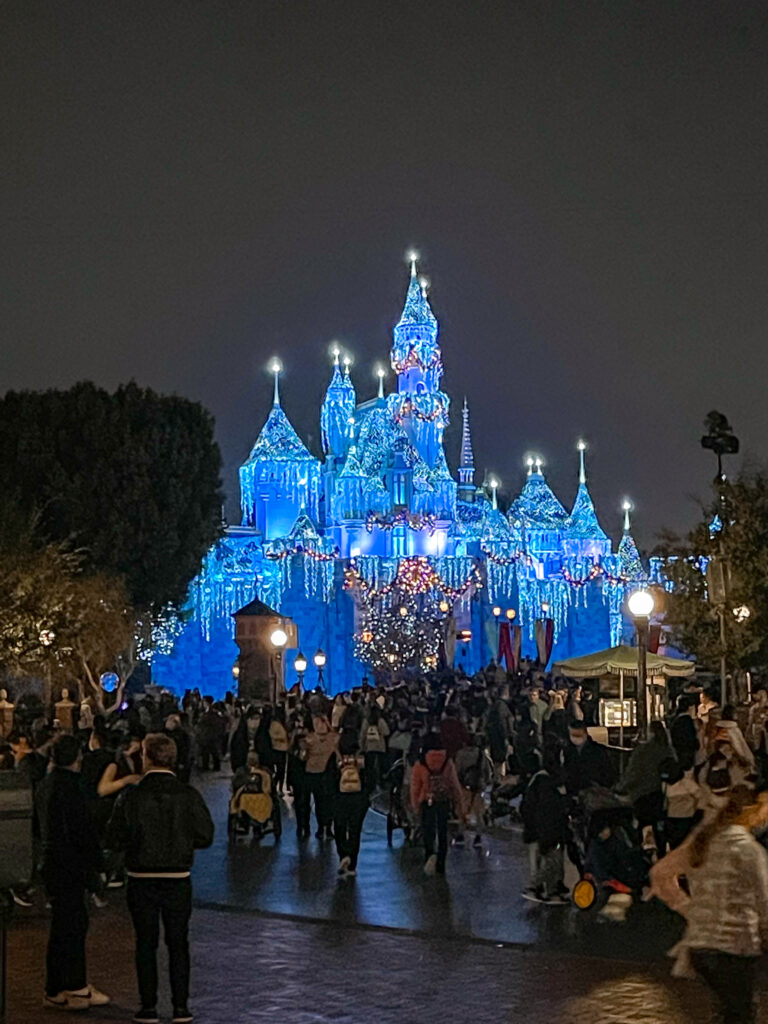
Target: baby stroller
pixel 252 806
pixel 605 850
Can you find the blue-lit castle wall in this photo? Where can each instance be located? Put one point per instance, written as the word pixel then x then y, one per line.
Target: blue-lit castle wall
pixel 322 540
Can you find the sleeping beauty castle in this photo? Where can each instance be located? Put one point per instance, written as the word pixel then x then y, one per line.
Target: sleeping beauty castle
pixel 388 562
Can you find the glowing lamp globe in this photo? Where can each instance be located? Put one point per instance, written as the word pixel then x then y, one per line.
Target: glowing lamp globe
pixel 640 604
pixel 300 663
pixel 366 636
pixel 444 606
pixel 403 610
pixel 391 658
pixel 278 638
pixel 511 613
pixel 545 607
pixel 496 610
pixel 319 659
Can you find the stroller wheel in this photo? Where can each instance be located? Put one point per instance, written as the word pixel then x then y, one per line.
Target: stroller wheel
pixel 584 893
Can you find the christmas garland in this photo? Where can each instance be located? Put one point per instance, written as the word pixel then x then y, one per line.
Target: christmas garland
pixel 401 518
pixel 415 576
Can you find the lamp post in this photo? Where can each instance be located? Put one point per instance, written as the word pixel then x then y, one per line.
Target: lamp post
pixel 235 676
pixel 46 638
pixel 278 638
pixel 300 667
pixel 640 607
pixel 319 660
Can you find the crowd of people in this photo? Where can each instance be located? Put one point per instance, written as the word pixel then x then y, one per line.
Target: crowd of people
pixel 114 805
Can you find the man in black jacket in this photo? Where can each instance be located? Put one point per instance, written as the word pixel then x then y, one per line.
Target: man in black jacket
pixel 71 858
pixel 159 823
pixel 585 763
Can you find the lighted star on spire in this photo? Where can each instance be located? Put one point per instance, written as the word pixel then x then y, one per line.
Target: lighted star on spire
pixel 276 367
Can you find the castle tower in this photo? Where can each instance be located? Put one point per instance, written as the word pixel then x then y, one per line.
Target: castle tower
pixel 280 476
pixel 467 464
pixel 584 537
pixel 338 406
pixel 420 407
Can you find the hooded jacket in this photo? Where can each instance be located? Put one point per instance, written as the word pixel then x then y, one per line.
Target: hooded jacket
pixel 435 762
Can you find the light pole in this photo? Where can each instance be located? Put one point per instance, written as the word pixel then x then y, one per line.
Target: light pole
pixel 46 638
pixel 319 660
pixel 640 607
pixel 300 666
pixel 236 677
pixel 278 638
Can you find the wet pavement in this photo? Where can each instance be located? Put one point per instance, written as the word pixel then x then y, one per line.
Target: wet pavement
pixel 247 968
pixel 478 898
pixel 276 937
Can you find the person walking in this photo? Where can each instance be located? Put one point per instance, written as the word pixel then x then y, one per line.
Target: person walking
pixel 71 858
pixel 278 734
pixel 160 822
pixel 320 745
pixel 727 913
pixel 434 787
pixel 351 804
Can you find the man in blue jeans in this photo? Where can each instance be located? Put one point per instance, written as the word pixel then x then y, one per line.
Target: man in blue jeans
pixel 159 823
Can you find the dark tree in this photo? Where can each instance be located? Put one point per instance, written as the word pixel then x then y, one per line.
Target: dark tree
pixel 131 477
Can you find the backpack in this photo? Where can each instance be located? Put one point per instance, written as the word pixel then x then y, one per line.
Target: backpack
pixel 439 787
pixel 349 779
pixel 373 735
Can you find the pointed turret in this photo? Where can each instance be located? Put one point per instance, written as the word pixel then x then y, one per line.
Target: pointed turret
pixel 582 522
pixel 279 475
pixel 415 335
pixel 467 463
pixel 419 406
pixel 536 507
pixel 629 557
pixel 338 406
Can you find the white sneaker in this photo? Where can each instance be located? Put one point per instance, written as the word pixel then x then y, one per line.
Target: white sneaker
pixel 79 1000
pixel 58 1002
pixel 97 997
pixel 430 865
pixel 344 865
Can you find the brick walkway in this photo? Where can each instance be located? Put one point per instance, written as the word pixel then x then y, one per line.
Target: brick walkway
pixel 249 968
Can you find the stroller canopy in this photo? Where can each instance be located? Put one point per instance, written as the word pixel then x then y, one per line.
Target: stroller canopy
pixel 622 659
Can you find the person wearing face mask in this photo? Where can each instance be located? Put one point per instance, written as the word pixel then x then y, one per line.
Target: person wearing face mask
pixel 585 762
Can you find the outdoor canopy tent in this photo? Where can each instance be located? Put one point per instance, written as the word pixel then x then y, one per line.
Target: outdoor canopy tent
pixel 622 659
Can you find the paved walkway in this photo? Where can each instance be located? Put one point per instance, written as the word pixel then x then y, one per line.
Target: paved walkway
pixel 479 897
pixel 247 968
pixel 277 937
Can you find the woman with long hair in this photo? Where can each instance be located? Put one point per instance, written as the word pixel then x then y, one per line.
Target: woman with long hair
pixel 727 913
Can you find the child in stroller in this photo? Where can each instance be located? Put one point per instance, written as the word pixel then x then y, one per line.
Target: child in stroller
pixel 614 864
pixel 252 806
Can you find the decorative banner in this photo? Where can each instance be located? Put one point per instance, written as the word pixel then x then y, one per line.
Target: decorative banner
pixel 654 639
pixel 517 638
pixel 450 640
pixel 505 647
pixel 545 632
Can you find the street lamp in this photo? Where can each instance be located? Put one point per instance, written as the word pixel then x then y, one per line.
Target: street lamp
pixel 278 638
pixel 46 638
pixel 319 660
pixel 742 613
pixel 640 607
pixel 511 613
pixel 300 667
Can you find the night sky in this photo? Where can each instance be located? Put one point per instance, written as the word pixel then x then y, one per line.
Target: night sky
pixel 190 188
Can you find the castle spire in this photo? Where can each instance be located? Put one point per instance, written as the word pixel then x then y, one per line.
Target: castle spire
pixel 276 367
pixel 467 464
pixel 338 406
pixel 582 447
